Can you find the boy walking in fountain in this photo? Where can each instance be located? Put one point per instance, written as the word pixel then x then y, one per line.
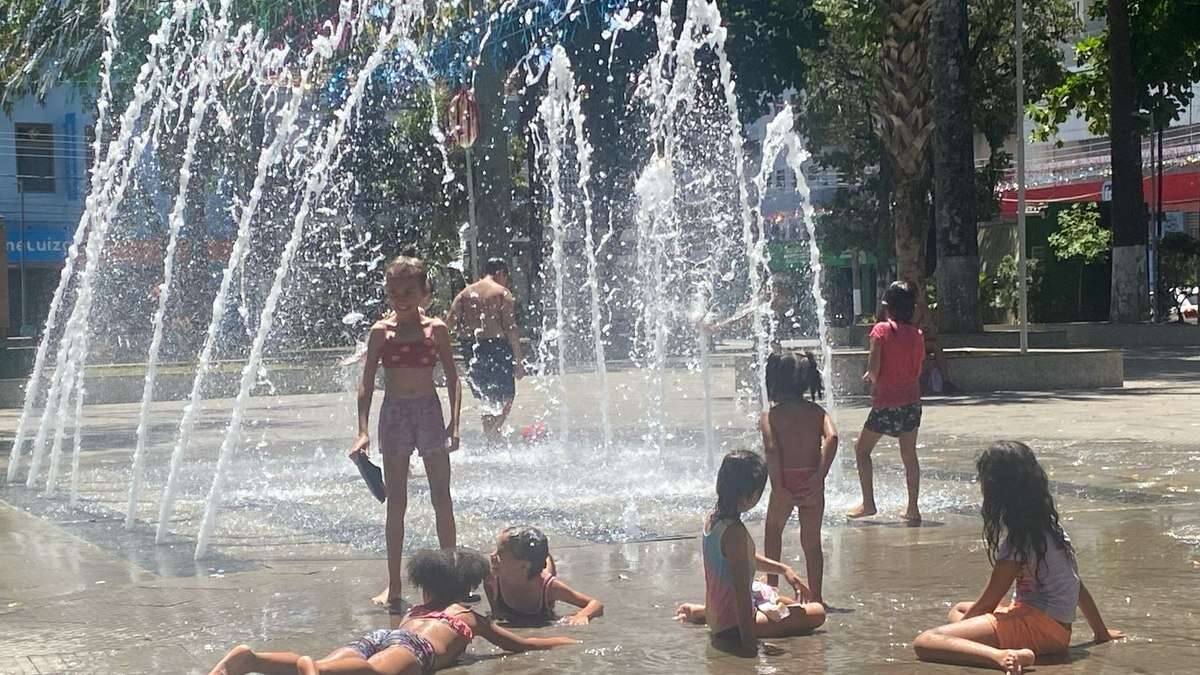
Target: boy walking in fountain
pixel 484 317
pixel 894 371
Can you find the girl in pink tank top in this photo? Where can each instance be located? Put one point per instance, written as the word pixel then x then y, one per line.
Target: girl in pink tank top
pixel 894 373
pixel 730 561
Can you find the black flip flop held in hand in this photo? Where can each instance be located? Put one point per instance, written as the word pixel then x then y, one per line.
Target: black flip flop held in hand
pixel 372 474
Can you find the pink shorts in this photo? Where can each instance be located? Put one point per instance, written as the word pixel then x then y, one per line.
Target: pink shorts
pixel 411 423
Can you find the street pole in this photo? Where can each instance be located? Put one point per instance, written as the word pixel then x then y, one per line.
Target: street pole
pixel 24 248
pixel 474 235
pixel 1022 263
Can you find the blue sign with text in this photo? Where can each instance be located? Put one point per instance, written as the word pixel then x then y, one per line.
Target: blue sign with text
pixel 41 244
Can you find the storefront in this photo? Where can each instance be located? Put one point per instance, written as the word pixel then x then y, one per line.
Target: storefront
pixel 35 253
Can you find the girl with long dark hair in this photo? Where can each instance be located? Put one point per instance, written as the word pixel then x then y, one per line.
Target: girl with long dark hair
pixel 1026 544
pixel 730 561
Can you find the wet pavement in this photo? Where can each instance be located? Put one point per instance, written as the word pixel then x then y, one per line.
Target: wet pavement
pixel 298 550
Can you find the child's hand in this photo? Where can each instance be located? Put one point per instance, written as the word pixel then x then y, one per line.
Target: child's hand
pixel 361 445
pixel 1109 635
pixel 802 592
pixel 576 620
pixel 519 370
pixel 452 441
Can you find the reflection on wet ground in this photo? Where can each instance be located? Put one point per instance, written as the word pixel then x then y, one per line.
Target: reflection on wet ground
pixel 299 547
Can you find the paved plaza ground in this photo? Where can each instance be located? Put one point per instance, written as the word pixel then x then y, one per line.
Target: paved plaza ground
pixel 298 551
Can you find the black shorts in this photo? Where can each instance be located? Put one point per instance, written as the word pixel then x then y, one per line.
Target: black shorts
pixel 894 421
pixel 490 370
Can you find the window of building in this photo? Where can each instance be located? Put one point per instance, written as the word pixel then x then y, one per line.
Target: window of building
pixel 35 157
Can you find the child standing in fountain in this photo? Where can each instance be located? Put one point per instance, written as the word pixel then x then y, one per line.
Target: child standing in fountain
pixel 408 344
pixel 894 372
pixel 801 442
pixel 735 610
pixel 1027 545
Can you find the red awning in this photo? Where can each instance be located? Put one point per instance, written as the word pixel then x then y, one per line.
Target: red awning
pixel 1181 192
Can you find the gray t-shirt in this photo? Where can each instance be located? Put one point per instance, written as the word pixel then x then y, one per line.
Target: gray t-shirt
pixel 1054 589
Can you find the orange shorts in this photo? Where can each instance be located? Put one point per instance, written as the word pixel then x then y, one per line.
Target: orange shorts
pixel 1023 627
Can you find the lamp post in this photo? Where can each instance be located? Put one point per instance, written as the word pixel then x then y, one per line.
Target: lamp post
pixel 1022 263
pixel 24 249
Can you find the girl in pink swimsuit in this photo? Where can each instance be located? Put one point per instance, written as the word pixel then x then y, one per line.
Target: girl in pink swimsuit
pixel 408 345
pixel 801 442
pixel 524 586
pixel 730 562
pixel 430 637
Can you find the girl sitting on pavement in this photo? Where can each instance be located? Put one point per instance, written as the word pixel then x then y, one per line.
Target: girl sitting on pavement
pixel 1026 544
pixel 524 586
pixel 431 636
pixel 801 442
pixel 735 613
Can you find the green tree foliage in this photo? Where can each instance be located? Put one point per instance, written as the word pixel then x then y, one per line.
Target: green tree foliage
pixel 765 45
pixel 43 43
pixel 841 69
pixel 1166 61
pixel 1080 235
pixel 1179 261
pixel 1002 290
pixel 1081 238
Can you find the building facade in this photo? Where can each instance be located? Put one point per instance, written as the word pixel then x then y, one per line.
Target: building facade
pixel 45 156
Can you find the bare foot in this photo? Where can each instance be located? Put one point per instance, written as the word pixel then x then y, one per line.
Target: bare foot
pixel 862 511
pixel 912 516
pixel 239 660
pixel 306 666
pixel 386 599
pixel 690 613
pixel 1015 660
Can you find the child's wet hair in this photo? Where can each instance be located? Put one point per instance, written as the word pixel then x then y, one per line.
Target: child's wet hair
pixel 742 474
pixel 1017 504
pixel 789 375
pixel 529 544
pixel 900 299
pixel 405 266
pixel 447 575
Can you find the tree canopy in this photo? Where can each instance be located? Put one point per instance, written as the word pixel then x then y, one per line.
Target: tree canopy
pixel 1166 62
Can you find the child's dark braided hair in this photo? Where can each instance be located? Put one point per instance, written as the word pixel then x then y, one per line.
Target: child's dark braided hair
pixel 529 544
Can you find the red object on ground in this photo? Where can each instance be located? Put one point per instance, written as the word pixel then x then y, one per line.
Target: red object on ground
pixel 534 432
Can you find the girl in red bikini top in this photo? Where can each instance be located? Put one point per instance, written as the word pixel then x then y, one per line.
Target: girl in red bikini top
pixel 397 353
pixel 523 584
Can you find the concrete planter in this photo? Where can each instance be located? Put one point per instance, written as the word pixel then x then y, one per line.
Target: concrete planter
pixel 986 370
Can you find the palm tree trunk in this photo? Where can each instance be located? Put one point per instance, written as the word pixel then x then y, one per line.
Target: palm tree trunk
pixel 903 121
pixel 954 169
pixel 1130 297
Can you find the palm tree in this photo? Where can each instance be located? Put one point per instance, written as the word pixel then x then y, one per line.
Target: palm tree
pixel 904 122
